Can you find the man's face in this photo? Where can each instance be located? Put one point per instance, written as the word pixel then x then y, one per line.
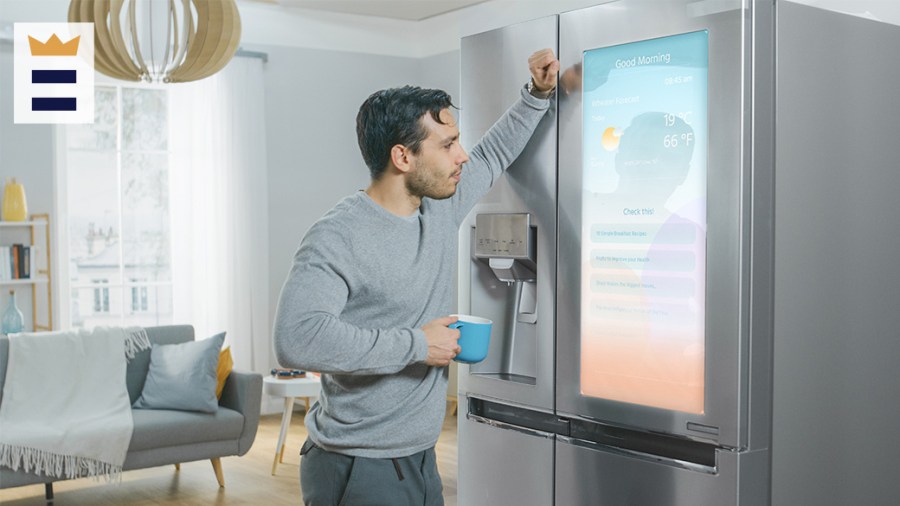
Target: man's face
pixel 436 168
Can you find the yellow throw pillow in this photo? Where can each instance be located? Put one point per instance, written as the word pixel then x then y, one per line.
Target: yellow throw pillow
pixel 224 369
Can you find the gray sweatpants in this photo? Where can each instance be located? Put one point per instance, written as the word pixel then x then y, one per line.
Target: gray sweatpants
pixel 332 479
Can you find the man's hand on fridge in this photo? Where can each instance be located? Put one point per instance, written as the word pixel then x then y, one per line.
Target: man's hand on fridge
pixel 544 67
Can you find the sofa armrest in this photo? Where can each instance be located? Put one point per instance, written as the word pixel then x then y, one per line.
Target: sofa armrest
pixel 243 393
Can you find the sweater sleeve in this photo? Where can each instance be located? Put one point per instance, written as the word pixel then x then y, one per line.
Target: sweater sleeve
pixel 309 333
pixel 497 150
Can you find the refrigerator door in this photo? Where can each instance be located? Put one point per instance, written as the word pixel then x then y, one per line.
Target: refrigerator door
pixel 653 191
pixel 596 475
pixel 513 287
pixel 519 475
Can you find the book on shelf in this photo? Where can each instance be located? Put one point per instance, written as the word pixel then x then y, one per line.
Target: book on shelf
pixel 16 261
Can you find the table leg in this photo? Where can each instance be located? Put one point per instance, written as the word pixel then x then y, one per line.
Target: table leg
pixel 285 423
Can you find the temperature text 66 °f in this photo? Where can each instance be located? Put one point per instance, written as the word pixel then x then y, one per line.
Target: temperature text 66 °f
pixel 673 140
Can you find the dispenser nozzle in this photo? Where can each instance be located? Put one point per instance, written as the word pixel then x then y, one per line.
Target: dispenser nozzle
pixel 511 270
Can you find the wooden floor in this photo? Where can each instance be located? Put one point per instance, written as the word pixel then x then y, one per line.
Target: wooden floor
pixel 248 479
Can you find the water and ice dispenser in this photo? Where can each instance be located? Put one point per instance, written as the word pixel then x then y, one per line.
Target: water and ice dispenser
pixel 506 244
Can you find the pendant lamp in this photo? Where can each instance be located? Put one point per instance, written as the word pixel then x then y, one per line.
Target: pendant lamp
pixel 169 41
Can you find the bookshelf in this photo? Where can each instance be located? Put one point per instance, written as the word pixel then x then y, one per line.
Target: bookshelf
pixel 34 233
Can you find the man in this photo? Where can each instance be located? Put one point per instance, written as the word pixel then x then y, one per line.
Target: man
pixel 364 301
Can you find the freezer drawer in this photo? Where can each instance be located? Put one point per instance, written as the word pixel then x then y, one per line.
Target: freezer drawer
pixel 602 476
pixel 504 465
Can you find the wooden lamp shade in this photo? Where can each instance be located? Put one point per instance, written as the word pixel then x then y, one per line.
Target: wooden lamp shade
pixel 167 41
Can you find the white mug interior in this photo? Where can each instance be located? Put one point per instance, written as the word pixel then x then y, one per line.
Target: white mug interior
pixel 472 319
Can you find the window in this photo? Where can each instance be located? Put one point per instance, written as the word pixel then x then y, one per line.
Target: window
pixel 115 210
pixel 101 296
pixel 138 296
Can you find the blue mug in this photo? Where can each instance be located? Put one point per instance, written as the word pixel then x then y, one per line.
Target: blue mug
pixel 474 338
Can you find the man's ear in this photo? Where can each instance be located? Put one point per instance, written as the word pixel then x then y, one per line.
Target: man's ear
pixel 400 158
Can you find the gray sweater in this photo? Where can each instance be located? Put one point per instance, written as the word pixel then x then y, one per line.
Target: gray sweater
pixel 362 284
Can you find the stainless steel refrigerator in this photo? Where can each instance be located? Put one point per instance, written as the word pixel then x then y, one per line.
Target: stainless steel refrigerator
pixel 648 330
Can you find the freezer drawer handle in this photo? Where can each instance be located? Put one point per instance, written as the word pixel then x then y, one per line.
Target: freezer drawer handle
pixel 509 426
pixel 513 416
pixel 649 457
pixel 648 443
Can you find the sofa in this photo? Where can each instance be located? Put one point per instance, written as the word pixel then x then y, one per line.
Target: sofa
pixel 165 437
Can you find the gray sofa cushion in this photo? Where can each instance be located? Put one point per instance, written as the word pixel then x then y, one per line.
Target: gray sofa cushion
pixel 183 376
pixel 159 428
pixel 136 373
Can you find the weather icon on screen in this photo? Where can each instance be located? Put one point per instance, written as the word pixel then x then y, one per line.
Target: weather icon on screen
pixel 610 139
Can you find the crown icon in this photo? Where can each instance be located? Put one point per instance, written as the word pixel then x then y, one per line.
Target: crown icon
pixel 53 46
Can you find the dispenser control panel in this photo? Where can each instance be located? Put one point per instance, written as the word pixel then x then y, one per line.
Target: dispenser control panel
pixel 504 236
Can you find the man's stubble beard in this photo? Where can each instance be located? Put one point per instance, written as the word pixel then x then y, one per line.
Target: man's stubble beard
pixel 422 183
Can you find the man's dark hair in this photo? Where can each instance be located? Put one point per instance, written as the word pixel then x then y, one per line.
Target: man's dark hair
pixel 393 116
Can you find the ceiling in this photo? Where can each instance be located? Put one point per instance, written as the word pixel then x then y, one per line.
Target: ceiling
pixel 411 10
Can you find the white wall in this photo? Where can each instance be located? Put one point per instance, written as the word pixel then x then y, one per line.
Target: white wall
pixel 26 153
pixel 25 150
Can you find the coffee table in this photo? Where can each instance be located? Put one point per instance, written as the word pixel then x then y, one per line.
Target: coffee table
pixel 290 389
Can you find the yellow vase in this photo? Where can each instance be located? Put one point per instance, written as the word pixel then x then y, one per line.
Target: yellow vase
pixel 14 206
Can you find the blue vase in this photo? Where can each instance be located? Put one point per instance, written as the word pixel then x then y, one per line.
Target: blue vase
pixel 13 321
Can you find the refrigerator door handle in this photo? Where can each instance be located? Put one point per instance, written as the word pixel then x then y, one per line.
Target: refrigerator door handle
pixel 509 426
pixel 658 459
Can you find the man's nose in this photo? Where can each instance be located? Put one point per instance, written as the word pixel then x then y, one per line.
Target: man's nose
pixel 463 158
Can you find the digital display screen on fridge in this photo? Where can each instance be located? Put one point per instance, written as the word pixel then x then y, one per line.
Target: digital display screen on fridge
pixel 643 254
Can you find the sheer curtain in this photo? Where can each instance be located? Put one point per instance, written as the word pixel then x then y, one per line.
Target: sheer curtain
pixel 219 210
